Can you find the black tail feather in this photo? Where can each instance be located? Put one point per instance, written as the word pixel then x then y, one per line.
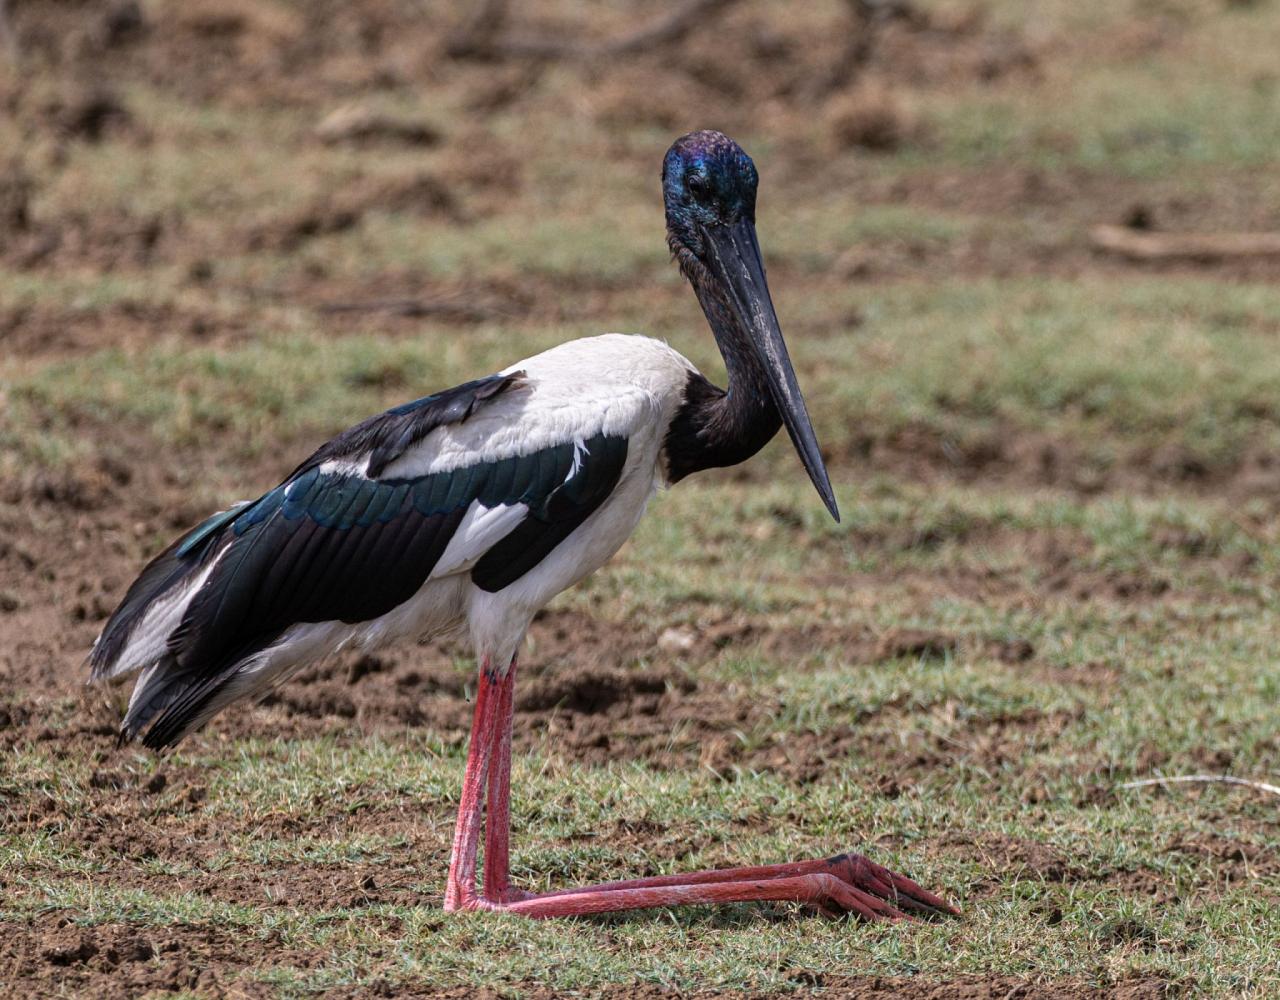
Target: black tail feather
pixel 175 697
pixel 163 573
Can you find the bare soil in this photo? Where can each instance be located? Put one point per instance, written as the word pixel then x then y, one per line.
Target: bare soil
pixel 592 689
pixel 118 962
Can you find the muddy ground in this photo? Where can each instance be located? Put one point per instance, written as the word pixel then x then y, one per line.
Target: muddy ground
pixel 71 538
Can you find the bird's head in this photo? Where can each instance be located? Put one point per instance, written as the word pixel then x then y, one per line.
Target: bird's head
pixel 708 181
pixel 709 187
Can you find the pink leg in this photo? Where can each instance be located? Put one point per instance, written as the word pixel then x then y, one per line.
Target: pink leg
pixel 826 892
pixel 497 823
pixel 854 870
pixel 846 883
pixel 460 893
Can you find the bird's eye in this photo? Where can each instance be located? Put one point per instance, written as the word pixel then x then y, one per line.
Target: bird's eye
pixel 698 185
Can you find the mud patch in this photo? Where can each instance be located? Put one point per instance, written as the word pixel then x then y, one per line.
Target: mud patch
pixel 38 331
pixel 1027 858
pixel 1015 456
pixel 117 961
pixel 419 194
pixel 1235 860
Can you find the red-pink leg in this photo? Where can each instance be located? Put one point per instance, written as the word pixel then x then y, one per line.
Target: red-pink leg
pixel 824 891
pixel 460 892
pixel 853 869
pixel 847 883
pixel 497 822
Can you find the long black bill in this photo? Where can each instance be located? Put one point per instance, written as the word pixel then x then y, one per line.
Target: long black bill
pixel 735 256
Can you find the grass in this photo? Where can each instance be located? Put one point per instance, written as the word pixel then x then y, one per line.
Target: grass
pixel 1027 456
pixel 1117 369
pixel 1215 936
pixel 1206 653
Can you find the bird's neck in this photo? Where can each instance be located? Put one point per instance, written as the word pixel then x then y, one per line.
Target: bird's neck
pixel 713 427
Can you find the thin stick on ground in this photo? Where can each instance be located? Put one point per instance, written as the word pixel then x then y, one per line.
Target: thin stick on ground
pixel 1140 246
pixel 1204 779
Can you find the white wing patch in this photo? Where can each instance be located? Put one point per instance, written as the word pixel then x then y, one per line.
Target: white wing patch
pixel 481 528
pixel 357 466
pixel 148 642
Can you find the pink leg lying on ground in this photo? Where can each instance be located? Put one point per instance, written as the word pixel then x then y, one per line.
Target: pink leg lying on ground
pixel 846 883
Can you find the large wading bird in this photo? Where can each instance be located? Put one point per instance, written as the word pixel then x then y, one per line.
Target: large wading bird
pixel 466 512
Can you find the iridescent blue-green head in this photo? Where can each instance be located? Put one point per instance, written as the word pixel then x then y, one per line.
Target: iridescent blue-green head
pixel 707 180
pixel 709 187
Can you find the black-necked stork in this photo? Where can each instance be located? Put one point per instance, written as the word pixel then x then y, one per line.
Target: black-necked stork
pixel 467 511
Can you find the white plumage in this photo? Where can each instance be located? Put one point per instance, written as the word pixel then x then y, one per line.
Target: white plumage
pixel 613 384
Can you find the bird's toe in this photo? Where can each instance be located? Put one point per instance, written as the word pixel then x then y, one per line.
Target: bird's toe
pixel 875 880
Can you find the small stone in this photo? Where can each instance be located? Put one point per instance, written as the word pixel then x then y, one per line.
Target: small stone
pixel 677 640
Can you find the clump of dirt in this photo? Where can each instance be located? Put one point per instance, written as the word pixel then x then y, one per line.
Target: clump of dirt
pixel 1234 859
pixel 417 194
pixel 117 961
pixel 106 240
pixel 92 115
pixel 16 190
pixel 41 331
pixel 597 692
pixel 872 118
pixel 1004 854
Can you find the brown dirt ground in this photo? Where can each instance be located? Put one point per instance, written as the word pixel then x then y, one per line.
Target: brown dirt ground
pixel 69 544
pixel 116 962
pixel 591 690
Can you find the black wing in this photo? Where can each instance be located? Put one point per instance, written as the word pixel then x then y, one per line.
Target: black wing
pixel 336 546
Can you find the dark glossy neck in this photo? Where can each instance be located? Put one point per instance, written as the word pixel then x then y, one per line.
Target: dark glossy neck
pixel 714 428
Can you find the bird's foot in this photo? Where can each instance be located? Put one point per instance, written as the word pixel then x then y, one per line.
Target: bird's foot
pixel 847 883
pixel 861 873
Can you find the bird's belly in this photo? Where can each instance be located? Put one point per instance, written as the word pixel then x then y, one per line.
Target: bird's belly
pixel 437 610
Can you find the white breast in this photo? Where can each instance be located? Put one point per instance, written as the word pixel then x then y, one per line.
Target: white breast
pixel 615 384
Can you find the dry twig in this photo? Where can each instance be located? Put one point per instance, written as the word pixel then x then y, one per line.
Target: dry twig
pixel 1147 246
pixel 1204 779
